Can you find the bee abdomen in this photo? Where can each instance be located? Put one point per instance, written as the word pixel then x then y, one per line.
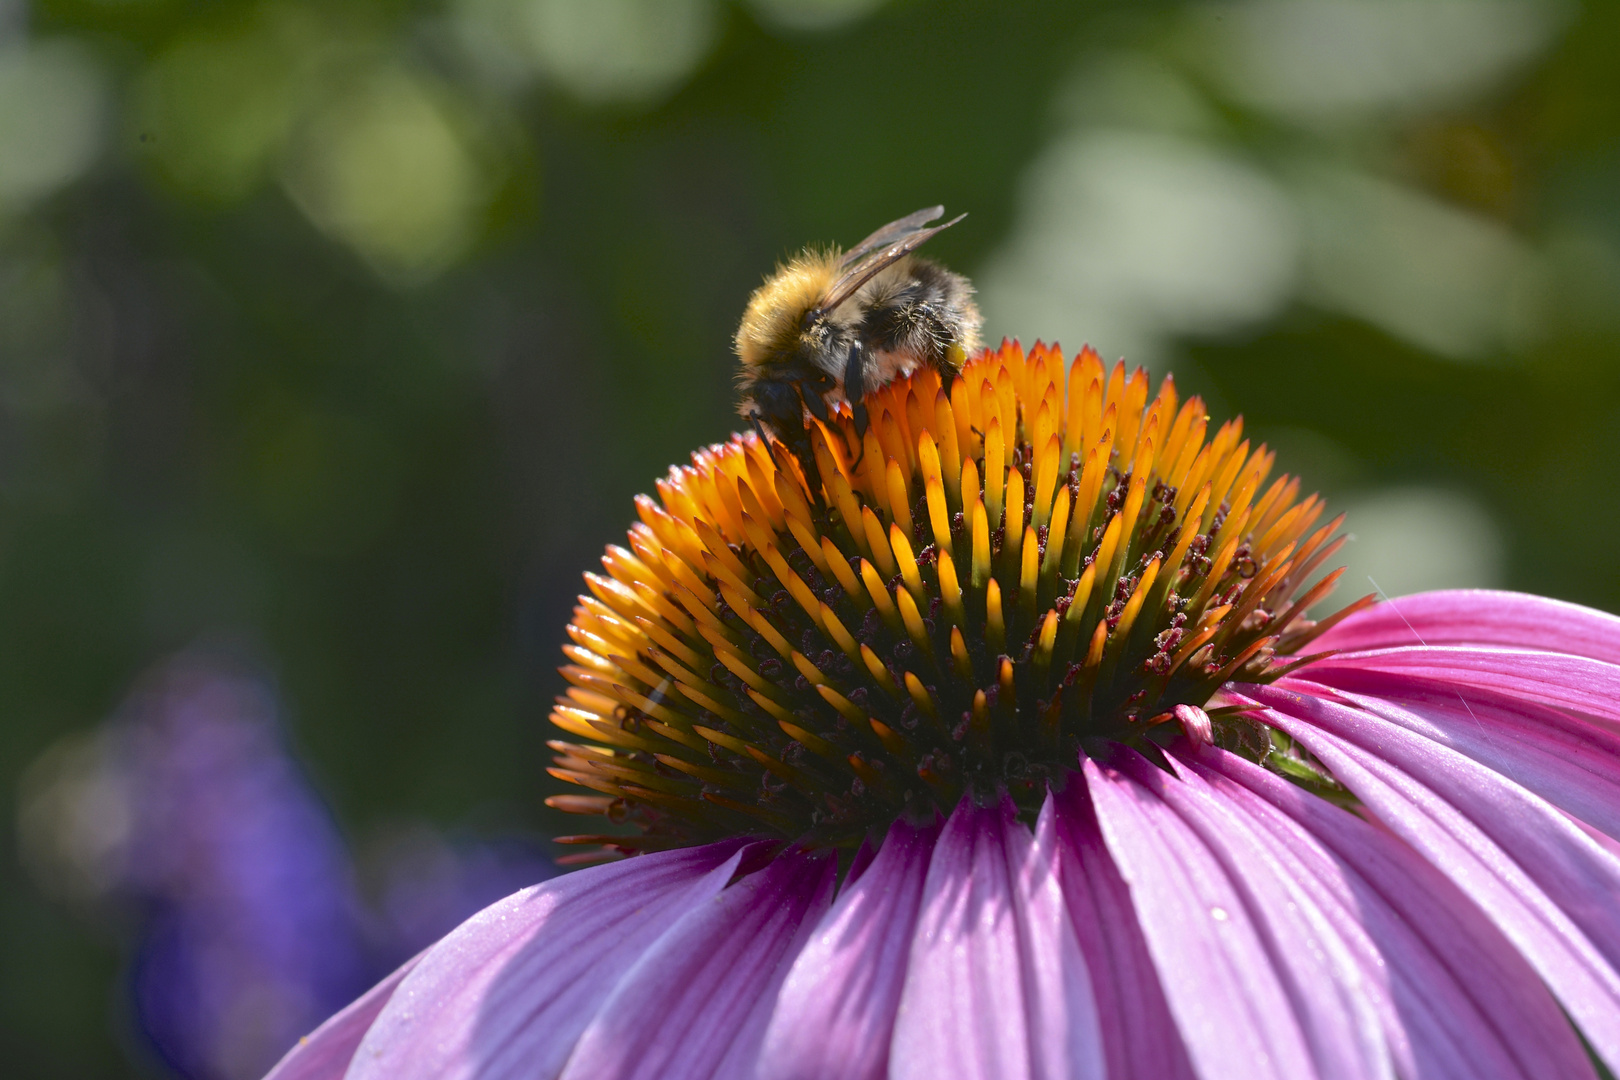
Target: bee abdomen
pixel 926 315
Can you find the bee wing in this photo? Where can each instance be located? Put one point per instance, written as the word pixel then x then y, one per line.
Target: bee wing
pixel 893 231
pixel 867 267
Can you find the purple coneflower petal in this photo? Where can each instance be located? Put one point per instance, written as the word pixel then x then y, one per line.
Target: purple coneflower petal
pixel 1140 1039
pixel 1331 993
pixel 1547 885
pixel 327 1051
pixel 1466 1003
pixel 1585 686
pixel 864 855
pixel 1573 764
pixel 997 986
pixel 835 1014
pixel 696 1005
pixel 508 992
pixel 1066 1027
pixel 1222 985
pixel 1479 617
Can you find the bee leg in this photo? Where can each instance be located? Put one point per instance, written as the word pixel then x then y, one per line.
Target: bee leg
pixel 855 386
pixel 806 458
pixel 817 407
pixel 780 449
pixel 759 429
pixel 797 446
pixel 794 437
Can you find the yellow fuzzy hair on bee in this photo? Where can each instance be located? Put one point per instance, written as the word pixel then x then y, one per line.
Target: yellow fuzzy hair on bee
pixel 775 314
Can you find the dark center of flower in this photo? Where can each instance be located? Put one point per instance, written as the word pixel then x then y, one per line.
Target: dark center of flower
pixel 1001 572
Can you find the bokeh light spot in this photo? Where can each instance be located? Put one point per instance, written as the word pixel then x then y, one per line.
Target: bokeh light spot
pixel 389 170
pixel 1335 58
pixel 215 109
pixel 625 52
pixel 1126 237
pixel 52 112
pixel 813 15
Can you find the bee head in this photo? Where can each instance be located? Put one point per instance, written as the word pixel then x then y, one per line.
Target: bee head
pixel 782 310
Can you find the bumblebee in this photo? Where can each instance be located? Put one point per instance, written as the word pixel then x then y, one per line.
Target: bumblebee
pixel 832 326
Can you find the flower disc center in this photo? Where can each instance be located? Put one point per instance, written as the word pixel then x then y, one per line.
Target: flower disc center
pixel 993 574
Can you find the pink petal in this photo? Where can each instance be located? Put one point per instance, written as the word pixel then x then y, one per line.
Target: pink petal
pixel 1066 1029
pixel 1461 1002
pixel 1588 687
pixel 1223 988
pixel 1548 887
pixel 857 865
pixel 1571 763
pixel 1315 956
pixel 325 1053
pixel 507 993
pixel 696 1005
pixel 1479 617
pixel 1140 1040
pixel 997 986
pixel 835 1014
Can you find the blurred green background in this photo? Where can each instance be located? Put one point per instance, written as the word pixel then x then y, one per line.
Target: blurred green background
pixel 347 329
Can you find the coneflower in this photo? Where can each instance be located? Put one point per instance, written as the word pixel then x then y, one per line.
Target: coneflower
pixel 1009 749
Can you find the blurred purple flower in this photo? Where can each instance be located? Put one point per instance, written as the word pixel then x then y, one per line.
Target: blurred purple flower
pixel 249 925
pixel 188 811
